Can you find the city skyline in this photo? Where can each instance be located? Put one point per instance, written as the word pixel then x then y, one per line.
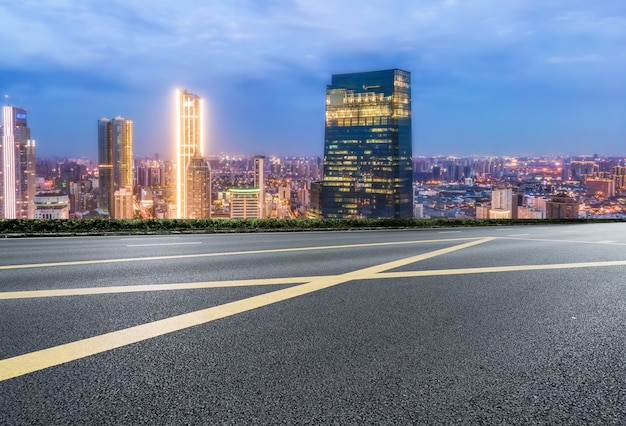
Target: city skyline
pixel 488 78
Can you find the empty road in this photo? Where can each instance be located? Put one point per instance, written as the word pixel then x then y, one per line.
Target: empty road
pixel 492 325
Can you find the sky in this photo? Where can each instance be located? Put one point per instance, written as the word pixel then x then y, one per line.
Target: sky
pixel 489 77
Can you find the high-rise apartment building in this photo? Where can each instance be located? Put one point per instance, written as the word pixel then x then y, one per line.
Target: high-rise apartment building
pixel 115 159
pixel 17 165
pixel 561 206
pixel 189 142
pixel 368 146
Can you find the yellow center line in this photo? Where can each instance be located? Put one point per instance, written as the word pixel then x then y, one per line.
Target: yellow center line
pixel 492 269
pixel 232 253
pixel 550 240
pixel 86 291
pixel 45 358
pixel 373 272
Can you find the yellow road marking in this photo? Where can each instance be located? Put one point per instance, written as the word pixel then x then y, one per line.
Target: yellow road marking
pixel 232 253
pixel 492 269
pixel 39 360
pixel 363 274
pixel 85 291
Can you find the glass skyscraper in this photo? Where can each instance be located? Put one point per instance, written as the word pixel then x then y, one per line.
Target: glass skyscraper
pixel 115 162
pixel 368 146
pixel 17 165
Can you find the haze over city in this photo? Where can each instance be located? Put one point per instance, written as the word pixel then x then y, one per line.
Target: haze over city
pixel 488 77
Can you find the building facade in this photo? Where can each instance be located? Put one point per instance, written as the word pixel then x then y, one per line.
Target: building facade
pixel 368 146
pixel 52 206
pixel 189 142
pixel 561 206
pixel 115 163
pixel 501 203
pixel 198 189
pixel 17 165
pixel 244 203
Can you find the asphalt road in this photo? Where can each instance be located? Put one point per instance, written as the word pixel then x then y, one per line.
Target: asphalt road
pixel 517 325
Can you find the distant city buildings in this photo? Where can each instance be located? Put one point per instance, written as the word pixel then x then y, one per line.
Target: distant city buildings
pixel 17 165
pixel 367 172
pixel 116 166
pixel 368 146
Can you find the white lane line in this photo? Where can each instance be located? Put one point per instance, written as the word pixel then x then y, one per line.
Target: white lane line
pixel 149 238
pixel 450 232
pixel 551 240
pixel 517 235
pixel 225 253
pixel 607 242
pixel 163 244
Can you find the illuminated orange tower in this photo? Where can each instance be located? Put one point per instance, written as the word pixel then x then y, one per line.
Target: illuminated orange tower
pixel 189 141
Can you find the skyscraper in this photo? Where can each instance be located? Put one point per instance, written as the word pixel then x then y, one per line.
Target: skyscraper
pixel 198 188
pixel 189 142
pixel 368 146
pixel 115 159
pixel 17 165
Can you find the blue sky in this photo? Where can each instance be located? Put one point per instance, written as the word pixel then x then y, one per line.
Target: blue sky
pixel 501 77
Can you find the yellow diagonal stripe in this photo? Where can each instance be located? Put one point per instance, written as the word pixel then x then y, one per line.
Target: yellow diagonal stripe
pixel 39 360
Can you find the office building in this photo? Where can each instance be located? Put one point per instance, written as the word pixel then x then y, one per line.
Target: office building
pixel 244 203
pixel 52 205
pixel 368 146
pixel 189 142
pixel 17 165
pixel 115 159
pixel 198 189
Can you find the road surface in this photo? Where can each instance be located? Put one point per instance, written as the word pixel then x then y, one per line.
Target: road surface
pixel 493 325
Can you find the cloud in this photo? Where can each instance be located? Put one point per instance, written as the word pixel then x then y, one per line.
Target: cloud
pixel 468 53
